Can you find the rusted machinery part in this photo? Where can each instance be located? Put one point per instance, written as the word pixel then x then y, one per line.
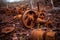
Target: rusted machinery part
pixel 41 16
pixel 42 13
pixel 39 20
pixel 17 17
pixel 37 34
pixel 8 29
pixel 50 35
pixel 49 22
pixel 29 18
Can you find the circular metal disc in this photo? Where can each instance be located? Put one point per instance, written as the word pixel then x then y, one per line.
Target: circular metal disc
pixel 29 19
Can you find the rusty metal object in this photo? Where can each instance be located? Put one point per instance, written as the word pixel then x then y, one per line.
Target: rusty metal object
pixel 7 30
pixel 42 13
pixel 41 17
pixel 39 20
pixel 50 35
pixel 17 17
pixel 48 23
pixel 37 34
pixel 29 18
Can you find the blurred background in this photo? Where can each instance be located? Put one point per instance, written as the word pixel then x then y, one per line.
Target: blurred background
pixel 45 2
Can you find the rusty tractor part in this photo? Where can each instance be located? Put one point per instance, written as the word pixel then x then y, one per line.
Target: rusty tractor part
pixel 8 29
pixel 37 34
pixel 29 18
pixel 50 35
pixel 17 17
